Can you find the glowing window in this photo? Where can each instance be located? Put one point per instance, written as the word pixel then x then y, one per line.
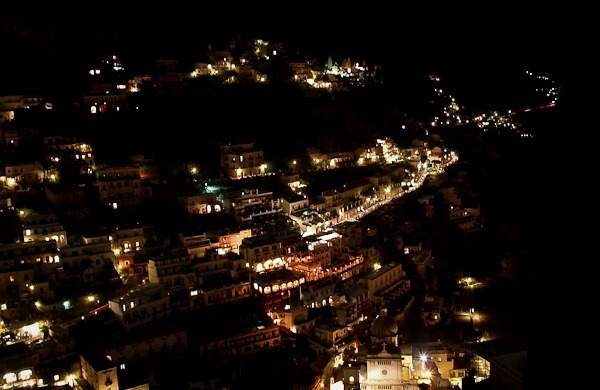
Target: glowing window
pixel 25 375
pixel 10 377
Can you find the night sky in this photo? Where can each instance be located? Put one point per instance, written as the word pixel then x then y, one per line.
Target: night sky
pixel 45 53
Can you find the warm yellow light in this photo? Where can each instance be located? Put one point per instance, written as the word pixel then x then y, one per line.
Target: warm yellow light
pixel 10 377
pixel 25 374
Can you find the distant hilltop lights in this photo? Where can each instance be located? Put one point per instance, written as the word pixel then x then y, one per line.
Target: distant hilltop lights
pixel 551 91
pixel 108 63
pixel 109 82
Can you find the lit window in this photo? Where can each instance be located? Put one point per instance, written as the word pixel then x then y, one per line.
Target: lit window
pixel 10 377
pixel 25 375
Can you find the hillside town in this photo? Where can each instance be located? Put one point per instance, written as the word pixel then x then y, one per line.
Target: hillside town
pixel 328 268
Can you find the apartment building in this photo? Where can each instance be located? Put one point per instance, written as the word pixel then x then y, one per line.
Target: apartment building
pixel 242 160
pixel 141 306
pixel 120 187
pixel 44 227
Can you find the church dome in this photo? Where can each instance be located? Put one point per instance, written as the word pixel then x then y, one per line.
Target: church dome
pixel 384 326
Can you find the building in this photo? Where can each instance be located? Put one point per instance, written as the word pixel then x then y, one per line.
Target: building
pixel 196 244
pixel 242 342
pixel 330 335
pixel 98 371
pixel 500 363
pixel 67 156
pixel 22 176
pixel 232 240
pixel 125 239
pixel 200 204
pixel 94 259
pixel 107 86
pixel 379 362
pixel 262 252
pixel 293 203
pixel 17 366
pixel 44 227
pixel 173 271
pixel 222 278
pixel 388 278
pixel 255 209
pixel 420 255
pixel 242 160
pixel 120 187
pixel 142 305
pixel 43 256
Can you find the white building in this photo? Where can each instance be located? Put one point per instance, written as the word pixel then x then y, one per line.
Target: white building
pixel 140 306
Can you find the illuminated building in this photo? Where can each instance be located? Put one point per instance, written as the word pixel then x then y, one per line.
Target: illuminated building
pixel 44 255
pixel 200 203
pixel 17 366
pixel 44 227
pixel 120 187
pixel 142 305
pixel 99 371
pixel 252 207
pixel 242 160
pixel 245 341
pixel 389 279
pixel 66 151
pixel 501 363
pixel 92 258
pixel 22 176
